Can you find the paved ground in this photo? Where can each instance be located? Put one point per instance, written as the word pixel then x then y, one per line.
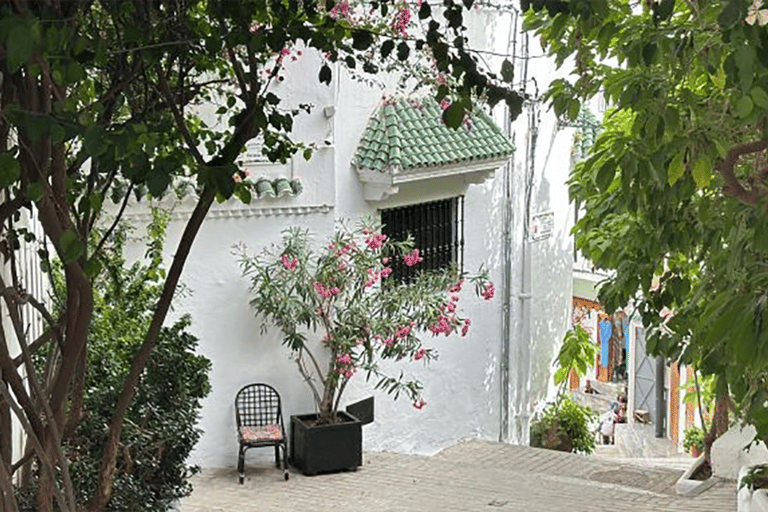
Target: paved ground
pixel 469 476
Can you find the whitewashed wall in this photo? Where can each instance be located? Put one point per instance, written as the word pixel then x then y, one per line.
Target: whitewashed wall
pixel 462 388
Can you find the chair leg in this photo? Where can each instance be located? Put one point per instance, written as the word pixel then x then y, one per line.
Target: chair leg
pixel 277 455
pixel 285 464
pixel 241 464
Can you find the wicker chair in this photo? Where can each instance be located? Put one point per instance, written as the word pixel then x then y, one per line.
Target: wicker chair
pixel 259 416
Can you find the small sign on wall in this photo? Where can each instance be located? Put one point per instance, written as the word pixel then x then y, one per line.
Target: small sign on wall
pixel 542 225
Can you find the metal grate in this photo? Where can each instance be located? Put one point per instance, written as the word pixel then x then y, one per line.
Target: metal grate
pixel 257 405
pixel 437 229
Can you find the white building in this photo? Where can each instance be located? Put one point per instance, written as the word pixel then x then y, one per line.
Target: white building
pixel 516 220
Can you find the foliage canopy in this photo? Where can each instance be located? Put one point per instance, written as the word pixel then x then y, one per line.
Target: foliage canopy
pixel 675 187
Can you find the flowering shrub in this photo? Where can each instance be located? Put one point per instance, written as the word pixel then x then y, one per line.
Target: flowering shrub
pixel 363 315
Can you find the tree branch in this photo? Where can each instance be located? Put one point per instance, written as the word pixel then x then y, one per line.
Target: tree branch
pixel 165 90
pixel 727 169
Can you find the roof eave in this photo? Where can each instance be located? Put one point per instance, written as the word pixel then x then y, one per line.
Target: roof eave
pixel 379 185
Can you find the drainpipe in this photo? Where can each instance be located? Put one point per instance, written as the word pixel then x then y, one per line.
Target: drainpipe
pixel 661 408
pixel 506 294
pixel 506 271
pixel 524 341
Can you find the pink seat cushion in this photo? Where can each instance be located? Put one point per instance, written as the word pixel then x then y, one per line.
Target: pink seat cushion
pixel 265 433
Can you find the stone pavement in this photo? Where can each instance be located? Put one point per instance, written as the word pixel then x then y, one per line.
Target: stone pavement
pixel 469 476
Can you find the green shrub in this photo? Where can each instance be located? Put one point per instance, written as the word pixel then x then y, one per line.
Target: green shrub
pixel 160 426
pixel 694 438
pixel 564 425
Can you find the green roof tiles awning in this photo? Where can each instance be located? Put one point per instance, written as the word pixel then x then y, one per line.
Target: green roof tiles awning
pixel 410 135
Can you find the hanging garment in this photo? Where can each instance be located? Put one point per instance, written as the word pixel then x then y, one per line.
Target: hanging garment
pixel 605 338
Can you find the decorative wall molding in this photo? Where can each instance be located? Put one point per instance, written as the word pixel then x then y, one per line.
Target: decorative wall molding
pixel 183 213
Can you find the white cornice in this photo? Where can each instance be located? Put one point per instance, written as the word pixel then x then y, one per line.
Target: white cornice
pixel 235 212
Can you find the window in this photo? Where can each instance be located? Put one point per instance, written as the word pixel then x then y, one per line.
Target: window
pixel 437 229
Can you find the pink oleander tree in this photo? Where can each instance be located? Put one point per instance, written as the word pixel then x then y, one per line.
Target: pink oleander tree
pixel 346 296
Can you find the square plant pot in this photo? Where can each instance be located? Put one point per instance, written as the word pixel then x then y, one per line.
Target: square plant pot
pixel 325 448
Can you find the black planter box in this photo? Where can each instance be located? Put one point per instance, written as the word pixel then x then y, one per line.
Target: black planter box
pixel 324 448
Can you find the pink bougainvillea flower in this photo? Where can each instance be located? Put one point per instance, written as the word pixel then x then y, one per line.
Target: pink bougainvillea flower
pixel 420 403
pixel 400 23
pixel 489 291
pixel 457 287
pixel 388 342
pixel 385 272
pixel 413 258
pixel 344 359
pixel 419 354
pixel 384 261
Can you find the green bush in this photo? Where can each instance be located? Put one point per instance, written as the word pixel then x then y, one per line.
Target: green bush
pixel 564 425
pixel 160 426
pixel 694 438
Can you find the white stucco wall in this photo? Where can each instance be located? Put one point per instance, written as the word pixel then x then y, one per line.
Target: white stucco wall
pixel 462 388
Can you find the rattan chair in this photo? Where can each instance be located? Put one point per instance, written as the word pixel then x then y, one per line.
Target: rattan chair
pixel 259 416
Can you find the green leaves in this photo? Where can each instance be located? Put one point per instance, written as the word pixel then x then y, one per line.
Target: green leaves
pixel 10 171
pixel 71 247
pixel 325 74
pixel 676 168
pixel 19 45
pixel 745 57
pixel 702 172
pixel 507 71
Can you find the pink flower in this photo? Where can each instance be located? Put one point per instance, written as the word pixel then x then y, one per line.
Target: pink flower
pixel 488 292
pixel 341 10
pixel 444 103
pixel 326 292
pixel 384 261
pixel 374 276
pixel 288 263
pixel 451 307
pixel 465 327
pixel 400 23
pixel 419 354
pixel 413 258
pixel 420 403
pixel 385 272
pixel 457 287
pixel 443 326
pixel 376 241
pixel 403 331
pixel 388 342
pixel 344 359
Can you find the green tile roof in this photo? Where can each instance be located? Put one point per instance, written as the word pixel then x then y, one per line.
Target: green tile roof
pixel 410 134
pixel 277 188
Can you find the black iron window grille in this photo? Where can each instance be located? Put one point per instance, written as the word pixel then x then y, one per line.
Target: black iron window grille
pixel 437 229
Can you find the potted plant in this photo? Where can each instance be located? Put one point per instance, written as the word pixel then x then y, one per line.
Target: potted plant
pixel 344 294
pixel 693 442
pixel 564 425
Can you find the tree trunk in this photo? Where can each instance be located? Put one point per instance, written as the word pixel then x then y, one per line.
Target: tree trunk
pixel 5 433
pixel 109 459
pixel 719 423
